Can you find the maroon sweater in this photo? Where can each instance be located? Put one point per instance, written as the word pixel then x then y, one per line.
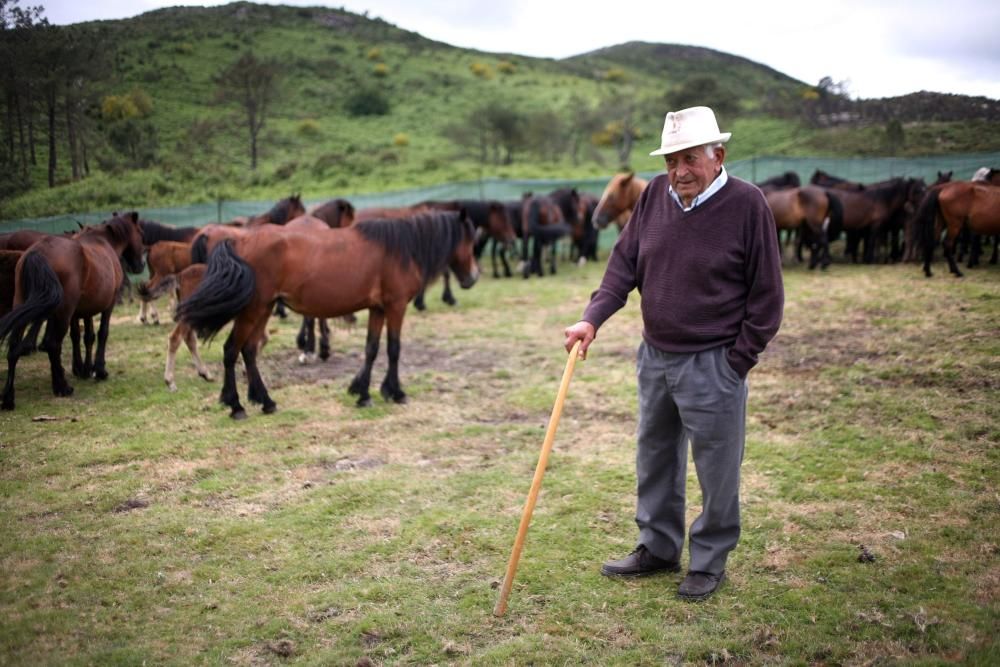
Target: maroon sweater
pixel 707 277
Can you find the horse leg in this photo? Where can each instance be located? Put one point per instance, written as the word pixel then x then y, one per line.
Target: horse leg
pixel 447 296
pixel 306 340
pixel 229 395
pixel 493 257
pixel 30 342
pixel 360 383
pixel 256 389
pixel 13 354
pixel 88 341
pixel 418 301
pixel 74 339
pixel 391 389
pixel 143 307
pixel 100 372
pixel 996 247
pixel 503 260
pixel 975 251
pixel 324 339
pixel 55 332
pixel 173 344
pixel 949 253
pixel 553 256
pixel 191 339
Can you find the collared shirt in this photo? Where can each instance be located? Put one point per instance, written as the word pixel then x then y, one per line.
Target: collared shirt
pixel 702 197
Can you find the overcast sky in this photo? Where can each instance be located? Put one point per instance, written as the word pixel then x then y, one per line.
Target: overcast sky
pixel 881 48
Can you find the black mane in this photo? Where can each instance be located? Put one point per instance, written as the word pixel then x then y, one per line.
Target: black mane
pixel 426 239
pixel 154 232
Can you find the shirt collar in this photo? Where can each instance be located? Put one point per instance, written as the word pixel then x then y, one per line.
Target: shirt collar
pixel 714 187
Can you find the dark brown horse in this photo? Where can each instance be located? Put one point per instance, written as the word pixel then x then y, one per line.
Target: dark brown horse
pixel 492 224
pixel 335 213
pixel 58 279
pixel 784 181
pixel 379 265
pixel 545 219
pixel 949 208
pixel 876 208
pixel 619 198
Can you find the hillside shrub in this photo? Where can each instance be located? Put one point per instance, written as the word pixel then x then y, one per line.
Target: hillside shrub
pixel 615 75
pixel 308 128
pixel 401 139
pixel 381 70
pixel 367 102
pixel 375 53
pixel 481 70
pixel 286 171
pixel 506 67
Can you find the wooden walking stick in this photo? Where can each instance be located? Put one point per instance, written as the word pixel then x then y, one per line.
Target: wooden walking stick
pixel 536 483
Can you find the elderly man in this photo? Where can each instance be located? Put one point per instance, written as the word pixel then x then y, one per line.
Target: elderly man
pixel 701 248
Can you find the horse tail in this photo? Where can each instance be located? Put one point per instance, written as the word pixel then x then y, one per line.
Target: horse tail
pixel 227 288
pixel 199 250
pixel 157 287
pixel 925 220
pixel 836 213
pixel 42 294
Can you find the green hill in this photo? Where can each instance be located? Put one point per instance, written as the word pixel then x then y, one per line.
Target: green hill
pixel 364 106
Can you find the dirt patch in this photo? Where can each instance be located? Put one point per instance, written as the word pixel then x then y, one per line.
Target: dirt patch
pixel 281 368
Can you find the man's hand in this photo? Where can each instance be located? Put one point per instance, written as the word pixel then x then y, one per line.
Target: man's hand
pixel 581 331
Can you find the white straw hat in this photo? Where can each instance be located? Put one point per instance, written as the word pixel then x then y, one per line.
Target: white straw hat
pixel 690 127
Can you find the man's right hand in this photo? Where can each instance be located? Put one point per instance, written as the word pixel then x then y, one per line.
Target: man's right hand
pixel 581 331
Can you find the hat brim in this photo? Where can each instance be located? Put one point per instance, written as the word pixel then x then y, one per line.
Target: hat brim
pixel 721 139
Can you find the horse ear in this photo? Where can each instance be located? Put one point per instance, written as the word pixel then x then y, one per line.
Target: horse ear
pixel 134 216
pixel 628 177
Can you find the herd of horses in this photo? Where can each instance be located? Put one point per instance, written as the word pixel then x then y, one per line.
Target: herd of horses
pixel 329 262
pixel 333 261
pixel 900 219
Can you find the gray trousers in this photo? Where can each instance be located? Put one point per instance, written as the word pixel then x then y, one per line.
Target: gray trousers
pixel 696 397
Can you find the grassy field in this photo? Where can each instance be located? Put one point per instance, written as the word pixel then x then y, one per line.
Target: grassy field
pixel 139 526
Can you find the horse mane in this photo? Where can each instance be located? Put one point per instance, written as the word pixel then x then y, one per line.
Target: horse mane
pixel 278 215
pixel 117 228
pixel 154 232
pixel 426 239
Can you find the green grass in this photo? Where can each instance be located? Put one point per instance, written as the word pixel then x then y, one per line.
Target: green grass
pixel 141 526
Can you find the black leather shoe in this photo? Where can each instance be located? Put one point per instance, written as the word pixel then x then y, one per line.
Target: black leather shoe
pixel 639 563
pixel 699 585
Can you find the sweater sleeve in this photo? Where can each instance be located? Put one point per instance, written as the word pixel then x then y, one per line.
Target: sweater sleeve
pixel 766 295
pixel 620 276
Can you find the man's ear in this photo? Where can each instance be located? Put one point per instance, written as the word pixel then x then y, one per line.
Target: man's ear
pixel 720 154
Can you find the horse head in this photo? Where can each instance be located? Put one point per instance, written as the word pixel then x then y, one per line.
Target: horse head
pixel 463 258
pixel 612 201
pixel 125 235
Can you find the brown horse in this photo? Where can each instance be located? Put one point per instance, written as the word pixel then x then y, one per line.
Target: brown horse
pixel 619 198
pixel 952 206
pixel 285 210
pixel 875 209
pixel 811 211
pixel 163 258
pixel 379 265
pixel 58 279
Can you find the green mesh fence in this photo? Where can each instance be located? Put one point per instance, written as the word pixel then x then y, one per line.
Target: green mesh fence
pixel 864 170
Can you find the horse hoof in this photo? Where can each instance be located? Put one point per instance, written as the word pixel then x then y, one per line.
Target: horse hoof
pixel 303 359
pixel 364 402
pixel 7 405
pixel 63 391
pixel 100 375
pixel 171 386
pixel 207 377
pixel 269 408
pixel 239 415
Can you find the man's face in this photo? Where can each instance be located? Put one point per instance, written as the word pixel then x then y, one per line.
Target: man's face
pixel 691 171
